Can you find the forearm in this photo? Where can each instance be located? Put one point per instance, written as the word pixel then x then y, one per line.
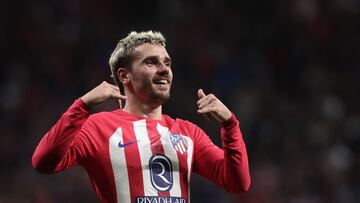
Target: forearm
pixel 228 167
pixel 51 153
pixel 236 176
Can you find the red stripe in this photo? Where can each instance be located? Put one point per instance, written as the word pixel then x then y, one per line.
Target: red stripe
pixel 182 147
pixel 132 157
pixel 156 145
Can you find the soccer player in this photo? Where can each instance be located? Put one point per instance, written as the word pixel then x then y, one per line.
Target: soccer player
pixel 136 153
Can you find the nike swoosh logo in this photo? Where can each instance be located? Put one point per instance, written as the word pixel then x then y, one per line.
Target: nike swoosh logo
pixel 121 145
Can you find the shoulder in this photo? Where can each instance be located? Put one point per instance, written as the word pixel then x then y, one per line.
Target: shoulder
pixel 103 123
pixel 104 117
pixel 183 124
pixel 101 115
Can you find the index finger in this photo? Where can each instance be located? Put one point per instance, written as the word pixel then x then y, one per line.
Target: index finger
pixel 118 103
pixel 201 93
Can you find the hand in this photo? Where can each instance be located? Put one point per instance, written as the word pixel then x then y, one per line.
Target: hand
pixel 102 93
pixel 212 107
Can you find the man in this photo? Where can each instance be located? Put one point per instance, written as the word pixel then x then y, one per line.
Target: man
pixel 137 154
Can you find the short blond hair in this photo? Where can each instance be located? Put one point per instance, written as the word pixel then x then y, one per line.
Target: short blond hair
pixel 122 55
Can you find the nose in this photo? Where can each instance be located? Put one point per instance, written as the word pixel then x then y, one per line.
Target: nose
pixel 163 69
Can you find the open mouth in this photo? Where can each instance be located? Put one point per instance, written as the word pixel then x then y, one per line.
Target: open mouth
pixel 161 82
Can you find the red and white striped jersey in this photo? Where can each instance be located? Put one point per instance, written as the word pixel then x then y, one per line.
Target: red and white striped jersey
pixel 132 159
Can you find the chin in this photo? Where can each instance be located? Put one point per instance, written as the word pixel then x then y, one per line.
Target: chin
pixel 165 97
pixel 161 97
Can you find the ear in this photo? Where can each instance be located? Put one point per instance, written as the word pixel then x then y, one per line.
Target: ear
pixel 123 75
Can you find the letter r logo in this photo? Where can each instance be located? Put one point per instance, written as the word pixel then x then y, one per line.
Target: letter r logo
pixel 161 173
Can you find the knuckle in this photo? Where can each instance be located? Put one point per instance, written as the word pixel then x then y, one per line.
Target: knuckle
pixel 213 97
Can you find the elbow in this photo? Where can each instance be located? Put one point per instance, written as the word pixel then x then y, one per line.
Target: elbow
pixel 39 164
pixel 36 164
pixel 241 187
pixel 246 187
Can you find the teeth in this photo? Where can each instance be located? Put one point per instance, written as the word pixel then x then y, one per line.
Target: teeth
pixel 162 81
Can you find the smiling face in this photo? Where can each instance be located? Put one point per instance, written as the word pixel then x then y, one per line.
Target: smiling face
pixel 150 75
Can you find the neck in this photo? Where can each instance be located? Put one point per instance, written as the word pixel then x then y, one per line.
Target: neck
pixel 138 108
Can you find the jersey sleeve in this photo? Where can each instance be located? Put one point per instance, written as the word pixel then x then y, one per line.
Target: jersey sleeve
pixel 56 150
pixel 227 167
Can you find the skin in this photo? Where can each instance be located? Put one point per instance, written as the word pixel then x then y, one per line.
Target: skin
pixel 147 86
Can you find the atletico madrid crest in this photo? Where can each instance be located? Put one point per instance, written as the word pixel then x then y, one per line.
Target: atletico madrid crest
pixel 179 143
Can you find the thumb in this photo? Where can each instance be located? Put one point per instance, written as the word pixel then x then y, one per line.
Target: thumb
pixel 119 103
pixel 201 93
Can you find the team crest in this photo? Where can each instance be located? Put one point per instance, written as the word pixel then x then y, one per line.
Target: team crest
pixel 179 143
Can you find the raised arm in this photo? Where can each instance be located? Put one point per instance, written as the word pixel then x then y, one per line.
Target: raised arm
pixel 56 150
pixel 228 167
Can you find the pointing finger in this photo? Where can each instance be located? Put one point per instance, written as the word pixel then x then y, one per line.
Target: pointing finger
pixel 201 96
pixel 119 96
pixel 119 99
pixel 118 103
pixel 201 93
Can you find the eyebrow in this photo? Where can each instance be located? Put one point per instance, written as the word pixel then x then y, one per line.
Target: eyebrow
pixel 166 59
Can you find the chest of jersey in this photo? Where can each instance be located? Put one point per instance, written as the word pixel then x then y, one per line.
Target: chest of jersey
pixel 149 160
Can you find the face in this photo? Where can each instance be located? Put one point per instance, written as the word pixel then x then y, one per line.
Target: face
pixel 150 75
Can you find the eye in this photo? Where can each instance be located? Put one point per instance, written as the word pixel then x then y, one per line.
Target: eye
pixel 150 62
pixel 168 64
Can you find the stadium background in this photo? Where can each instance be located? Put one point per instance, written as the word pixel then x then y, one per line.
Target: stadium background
pixel 289 69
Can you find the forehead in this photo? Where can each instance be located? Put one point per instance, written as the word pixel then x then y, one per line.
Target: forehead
pixel 147 49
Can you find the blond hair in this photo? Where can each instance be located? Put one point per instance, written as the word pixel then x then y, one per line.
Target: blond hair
pixel 122 55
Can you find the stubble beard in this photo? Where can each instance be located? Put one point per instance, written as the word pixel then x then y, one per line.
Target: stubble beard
pixel 154 96
pixel 159 97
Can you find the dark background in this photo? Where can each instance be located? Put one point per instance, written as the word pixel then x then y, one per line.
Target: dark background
pixel 288 69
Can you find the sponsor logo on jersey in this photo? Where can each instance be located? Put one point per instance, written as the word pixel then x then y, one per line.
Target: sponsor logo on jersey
pixel 155 199
pixel 161 173
pixel 179 143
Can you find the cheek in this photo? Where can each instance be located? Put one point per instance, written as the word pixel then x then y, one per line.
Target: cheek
pixel 171 75
pixel 144 80
pixel 139 76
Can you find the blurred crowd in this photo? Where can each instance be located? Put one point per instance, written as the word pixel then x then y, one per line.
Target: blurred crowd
pixel 288 69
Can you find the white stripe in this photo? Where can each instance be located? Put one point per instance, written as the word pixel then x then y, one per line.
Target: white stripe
pixel 182 147
pixel 145 155
pixel 190 150
pixel 118 163
pixel 178 148
pixel 185 144
pixel 169 151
